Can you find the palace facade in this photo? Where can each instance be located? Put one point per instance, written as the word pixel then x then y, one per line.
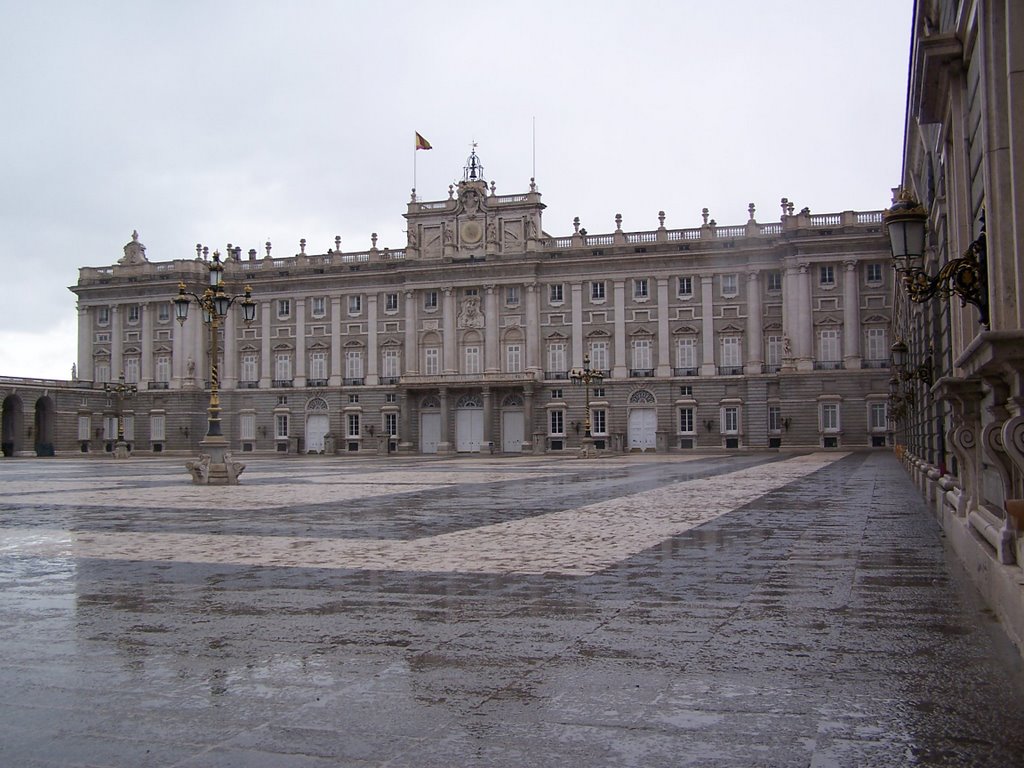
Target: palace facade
pixel 758 335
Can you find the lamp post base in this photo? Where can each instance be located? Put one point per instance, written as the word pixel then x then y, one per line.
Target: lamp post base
pixel 121 450
pixel 215 465
pixel 587 450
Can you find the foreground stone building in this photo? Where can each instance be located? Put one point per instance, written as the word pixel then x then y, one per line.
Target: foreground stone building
pixel 960 396
pixel 756 335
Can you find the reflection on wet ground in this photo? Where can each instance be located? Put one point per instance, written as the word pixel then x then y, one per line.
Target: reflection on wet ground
pixel 757 610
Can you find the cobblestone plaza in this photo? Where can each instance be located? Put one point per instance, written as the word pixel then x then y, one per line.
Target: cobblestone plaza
pixel 645 610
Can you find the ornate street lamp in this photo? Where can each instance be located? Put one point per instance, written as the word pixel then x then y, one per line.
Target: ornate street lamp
pixel 214 466
pixel 120 390
pixel 584 377
pixel 966 276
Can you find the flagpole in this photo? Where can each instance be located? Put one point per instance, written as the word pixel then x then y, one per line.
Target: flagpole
pixel 414 150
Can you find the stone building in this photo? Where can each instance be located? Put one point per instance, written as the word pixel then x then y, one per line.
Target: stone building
pixel 959 396
pixel 753 336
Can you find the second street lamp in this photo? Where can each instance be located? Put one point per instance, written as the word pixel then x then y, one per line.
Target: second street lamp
pixel 214 466
pixel 584 377
pixel 121 390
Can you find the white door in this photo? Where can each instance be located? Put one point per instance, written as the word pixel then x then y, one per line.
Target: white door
pixel 643 422
pixel 430 431
pixel 317 426
pixel 512 431
pixel 469 430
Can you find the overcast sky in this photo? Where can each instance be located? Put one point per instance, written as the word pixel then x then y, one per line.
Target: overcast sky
pixel 212 121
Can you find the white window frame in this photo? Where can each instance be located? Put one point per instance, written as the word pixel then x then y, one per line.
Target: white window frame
pixel 249 367
pixel 684 286
pixel 599 355
pixel 390 363
pixel 829 345
pixel 513 358
pixel 318 306
pixel 131 369
pixel 732 351
pixel 642 354
pixel 556 422
pixel 598 290
pixel 283 366
pixel 431 361
pixel 556 293
pixel 430 300
pixel 686 353
pixel 354 363
pixel 84 426
pixel 247 425
pixel 281 426
pixel 352 424
pixel 512 298
pixel 471 359
pixel 641 289
pixel 284 309
pixel 355 304
pixel 687 420
pixel 730 419
pixel 829 417
pixel 390 302
pixel 827 275
pixel 730 285
pixel 599 421
pixel 317 365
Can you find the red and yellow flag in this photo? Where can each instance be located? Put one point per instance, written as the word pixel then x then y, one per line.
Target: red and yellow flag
pixel 422 143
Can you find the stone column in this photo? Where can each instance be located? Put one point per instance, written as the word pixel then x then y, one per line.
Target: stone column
pixel 372 353
pixel 755 334
pixel 265 361
pixel 804 342
pixel 576 291
pixel 664 367
pixel 532 323
pixel 851 317
pixel 488 411
pixel 85 336
pixel 444 445
pixel 619 367
pixel 411 363
pixel 405 420
pixel 146 334
pixel 707 326
pixel 229 376
pixel 336 361
pixel 116 343
pixel 528 418
pixel 451 361
pixel 300 342
pixel 491 361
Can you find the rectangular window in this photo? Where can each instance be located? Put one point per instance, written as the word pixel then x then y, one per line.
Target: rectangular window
pixel 774 418
pixel 354 364
pixel 556 422
pixel 686 354
pixel 355 305
pixel 730 420
pixel 390 302
pixel 878 416
pixel 353 425
pixel 599 421
pixel 684 287
pixel 163 369
pixel 773 352
pixel 732 352
pixel 686 390
pixel 131 370
pixel 555 293
pixel 599 392
pixel 828 346
pixel 512 295
pixel 470 292
pixel 642 354
pixel 103 315
pixel 102 372
pixel 281 426
pixel 730 285
pixel 556 357
pixel 283 366
pixel 390 397
pixel 641 288
pixel 556 394
pixel 430 299
pixel 827 275
pixel 284 308
pixel 877 346
pixel 158 426
pixel 774 280
pixel 829 417
pixel 431 361
pixel 597 289
pixel 129 426
pixel 353 399
pixel 133 313
pixel 390 364
pixel 599 355
pixel 84 427
pixel 686 421
pixel 163 312
pixel 472 359
pixel 249 368
pixel 513 358
pixel 318 366
pixel 391 424
pixel 109 427
pixel 319 308
pixel 873 272
pixel 247 425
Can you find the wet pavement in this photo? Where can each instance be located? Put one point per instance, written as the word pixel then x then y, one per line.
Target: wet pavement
pixel 747 610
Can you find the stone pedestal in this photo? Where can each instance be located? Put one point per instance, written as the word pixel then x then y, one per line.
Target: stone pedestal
pixel 121 450
pixel 587 450
pixel 215 465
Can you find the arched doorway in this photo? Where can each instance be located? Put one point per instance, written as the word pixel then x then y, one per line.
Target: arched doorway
pixel 430 424
pixel 469 423
pixel 318 424
pixel 45 423
pixel 642 421
pixel 13 425
pixel 512 424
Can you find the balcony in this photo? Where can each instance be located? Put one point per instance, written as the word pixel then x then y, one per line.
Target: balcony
pixel 556 375
pixel 278 383
pixel 353 382
pixel 828 365
pixel 158 385
pixel 389 380
pixel 730 370
pixel 884 363
pixel 684 371
pixel 316 382
pixel 641 373
pixel 248 385
pixel 772 368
